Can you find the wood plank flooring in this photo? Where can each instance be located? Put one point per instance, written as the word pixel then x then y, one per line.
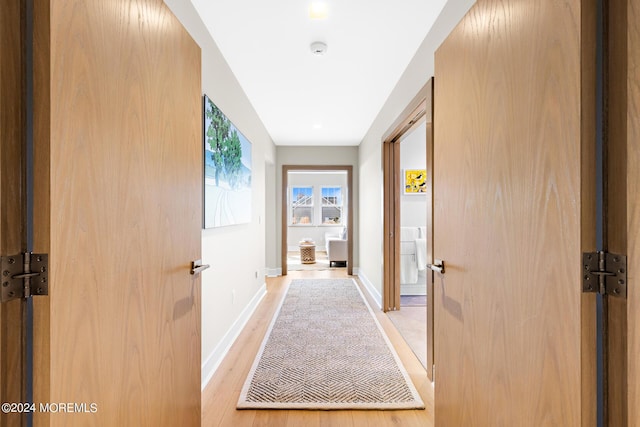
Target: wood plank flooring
pixel 221 394
pixel 411 322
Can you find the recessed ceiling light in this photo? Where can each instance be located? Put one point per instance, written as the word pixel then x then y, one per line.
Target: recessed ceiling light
pixel 318 10
pixel 317 126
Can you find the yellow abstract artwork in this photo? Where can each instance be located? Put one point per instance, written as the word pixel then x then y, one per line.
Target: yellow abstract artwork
pixel 415 181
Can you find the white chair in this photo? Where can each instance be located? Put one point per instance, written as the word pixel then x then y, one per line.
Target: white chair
pixel 336 246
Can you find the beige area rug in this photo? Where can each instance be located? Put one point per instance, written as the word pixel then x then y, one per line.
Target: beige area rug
pixel 326 350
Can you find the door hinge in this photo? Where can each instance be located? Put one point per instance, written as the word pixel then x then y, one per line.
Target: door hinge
pixel 605 273
pixel 24 275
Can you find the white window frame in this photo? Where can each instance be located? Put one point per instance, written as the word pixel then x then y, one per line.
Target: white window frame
pixel 332 205
pixel 311 206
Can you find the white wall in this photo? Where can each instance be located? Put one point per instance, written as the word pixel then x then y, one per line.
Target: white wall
pixel 325 155
pixel 413 155
pixel 235 282
pixel 420 69
pixel 317 230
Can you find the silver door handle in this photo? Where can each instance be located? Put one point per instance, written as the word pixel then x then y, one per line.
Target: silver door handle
pixel 437 266
pixel 197 267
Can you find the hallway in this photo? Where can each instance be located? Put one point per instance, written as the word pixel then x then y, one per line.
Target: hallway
pixel 220 396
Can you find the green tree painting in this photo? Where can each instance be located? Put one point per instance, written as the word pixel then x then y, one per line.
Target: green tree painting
pixel 227 170
pixel 225 146
pixel 232 156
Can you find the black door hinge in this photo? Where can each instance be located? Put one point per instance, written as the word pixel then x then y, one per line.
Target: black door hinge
pixel 23 275
pixel 605 273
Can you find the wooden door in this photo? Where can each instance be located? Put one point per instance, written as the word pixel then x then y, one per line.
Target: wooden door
pixel 123 214
pixel 514 209
pixel 391 227
pixel 633 209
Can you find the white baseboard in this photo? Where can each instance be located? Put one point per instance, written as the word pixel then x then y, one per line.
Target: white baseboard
pixel 217 355
pixel 273 272
pixel 377 298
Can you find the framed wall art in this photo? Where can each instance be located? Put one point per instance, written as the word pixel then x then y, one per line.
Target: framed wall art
pixel 227 170
pixel 415 181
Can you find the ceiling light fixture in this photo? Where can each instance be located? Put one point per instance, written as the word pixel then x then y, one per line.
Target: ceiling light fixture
pixel 318 10
pixel 318 48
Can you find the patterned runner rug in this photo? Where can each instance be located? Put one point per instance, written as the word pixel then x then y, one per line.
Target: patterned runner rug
pixel 326 350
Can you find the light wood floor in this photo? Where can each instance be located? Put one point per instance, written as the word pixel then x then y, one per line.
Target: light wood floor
pixel 411 322
pixel 221 394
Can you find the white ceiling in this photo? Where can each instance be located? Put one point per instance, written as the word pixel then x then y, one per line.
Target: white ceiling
pixel 304 99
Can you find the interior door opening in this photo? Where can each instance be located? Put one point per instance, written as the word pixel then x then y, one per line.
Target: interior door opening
pixel 410 316
pixel 408 224
pixel 317 219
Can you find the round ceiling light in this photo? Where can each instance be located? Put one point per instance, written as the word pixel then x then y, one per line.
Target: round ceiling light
pixel 318 48
pixel 318 10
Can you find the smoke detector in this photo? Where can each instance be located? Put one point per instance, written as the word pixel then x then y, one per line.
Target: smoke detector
pixel 318 48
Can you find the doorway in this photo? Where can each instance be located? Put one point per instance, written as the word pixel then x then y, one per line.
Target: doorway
pixel 408 250
pixel 317 219
pixel 410 317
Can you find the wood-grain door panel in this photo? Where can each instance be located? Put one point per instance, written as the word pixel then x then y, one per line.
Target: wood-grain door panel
pixel 125 214
pixel 510 195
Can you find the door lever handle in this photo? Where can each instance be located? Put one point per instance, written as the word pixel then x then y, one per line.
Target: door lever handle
pixel 197 267
pixel 437 266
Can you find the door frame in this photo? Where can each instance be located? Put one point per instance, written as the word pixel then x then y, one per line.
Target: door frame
pixel 285 196
pixel 13 123
pixel 420 108
pixel 18 18
pixel 621 207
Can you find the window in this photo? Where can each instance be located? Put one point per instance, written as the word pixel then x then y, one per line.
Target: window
pixel 302 205
pixel 331 205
